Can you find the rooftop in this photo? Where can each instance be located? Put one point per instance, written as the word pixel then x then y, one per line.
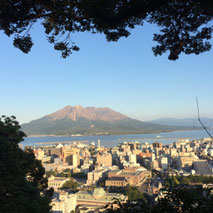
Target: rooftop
pixel 202 167
pixel 117 178
pixel 127 173
pixel 115 171
pixel 98 192
pixel 102 196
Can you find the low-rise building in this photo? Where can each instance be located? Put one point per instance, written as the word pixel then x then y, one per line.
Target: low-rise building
pixel 130 175
pixel 97 175
pixel 97 199
pixel 56 182
pixel 185 161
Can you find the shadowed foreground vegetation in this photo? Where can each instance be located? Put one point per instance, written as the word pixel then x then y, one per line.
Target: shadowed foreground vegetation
pixel 24 187
pixel 180 199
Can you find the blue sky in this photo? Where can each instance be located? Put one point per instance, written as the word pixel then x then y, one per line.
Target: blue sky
pixel 124 76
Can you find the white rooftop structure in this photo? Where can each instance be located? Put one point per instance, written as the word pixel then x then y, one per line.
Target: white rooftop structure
pixel 59 146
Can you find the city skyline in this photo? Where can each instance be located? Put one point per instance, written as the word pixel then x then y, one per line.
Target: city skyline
pixel 106 106
pixel 124 76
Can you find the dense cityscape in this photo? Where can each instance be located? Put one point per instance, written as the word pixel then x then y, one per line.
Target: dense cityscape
pixel 87 178
pixel 106 106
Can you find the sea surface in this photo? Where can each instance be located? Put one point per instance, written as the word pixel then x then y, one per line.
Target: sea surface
pixel 114 140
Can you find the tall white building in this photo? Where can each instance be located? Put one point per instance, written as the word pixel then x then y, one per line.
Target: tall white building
pixel 132 158
pixel 99 144
pixel 63 202
pixel 164 163
pixel 75 160
pixel 153 157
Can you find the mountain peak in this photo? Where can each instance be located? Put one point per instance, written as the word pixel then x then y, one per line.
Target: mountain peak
pixel 90 120
pixel 71 107
pixel 89 113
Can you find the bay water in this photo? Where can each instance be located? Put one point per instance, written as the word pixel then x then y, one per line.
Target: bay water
pixel 114 140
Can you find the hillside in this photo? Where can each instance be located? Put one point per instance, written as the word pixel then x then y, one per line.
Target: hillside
pixel 90 121
pixel 193 122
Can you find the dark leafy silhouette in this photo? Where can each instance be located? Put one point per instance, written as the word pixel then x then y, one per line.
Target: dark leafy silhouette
pixel 180 199
pixel 23 187
pixel 185 26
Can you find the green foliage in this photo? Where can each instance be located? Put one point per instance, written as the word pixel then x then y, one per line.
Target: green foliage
pixel 23 43
pixel 101 183
pixel 65 173
pixel 62 174
pixel 70 184
pixel 186 199
pixel 139 206
pixel 173 181
pixel 184 181
pixel 80 175
pixel 92 151
pixel 185 26
pixel 23 187
pixel 181 199
pixel 133 193
pixel 200 179
pixel 50 173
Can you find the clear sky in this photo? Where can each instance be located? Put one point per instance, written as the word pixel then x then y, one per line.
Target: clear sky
pixel 124 76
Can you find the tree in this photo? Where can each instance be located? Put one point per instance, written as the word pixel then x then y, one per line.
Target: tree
pixel 70 184
pixel 185 181
pixel 174 181
pixel 139 206
pixel 185 199
pixel 50 173
pixel 185 25
pixel 23 187
pixel 181 199
pixel 133 193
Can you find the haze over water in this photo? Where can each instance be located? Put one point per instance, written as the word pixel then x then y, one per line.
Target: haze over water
pixel 114 140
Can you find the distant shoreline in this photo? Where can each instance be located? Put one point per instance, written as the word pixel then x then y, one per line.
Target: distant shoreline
pixel 108 134
pixel 80 135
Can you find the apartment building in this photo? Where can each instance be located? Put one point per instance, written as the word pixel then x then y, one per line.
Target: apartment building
pixel 95 176
pixel 104 159
pixel 63 202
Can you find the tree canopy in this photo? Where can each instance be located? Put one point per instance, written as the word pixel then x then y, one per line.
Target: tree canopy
pixel 133 193
pixel 23 187
pixel 185 25
pixel 185 199
pixel 179 199
pixel 70 184
pixel 173 181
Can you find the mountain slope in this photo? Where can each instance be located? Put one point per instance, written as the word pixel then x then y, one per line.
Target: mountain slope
pixel 183 122
pixel 89 113
pixel 90 120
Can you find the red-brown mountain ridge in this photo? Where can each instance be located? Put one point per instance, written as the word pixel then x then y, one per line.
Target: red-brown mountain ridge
pixel 89 113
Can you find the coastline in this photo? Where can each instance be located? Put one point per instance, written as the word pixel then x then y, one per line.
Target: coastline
pixel 112 134
pixel 112 140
